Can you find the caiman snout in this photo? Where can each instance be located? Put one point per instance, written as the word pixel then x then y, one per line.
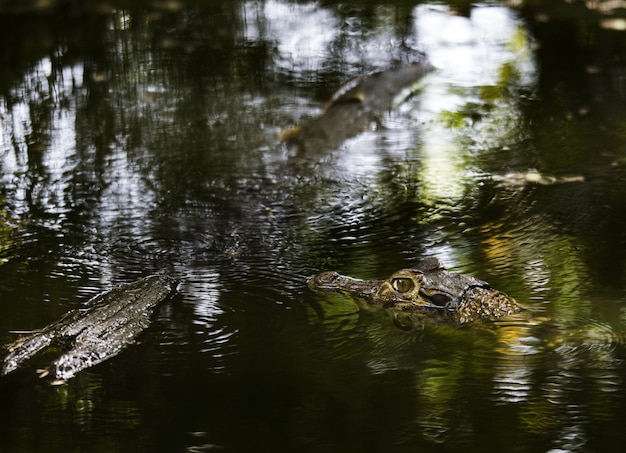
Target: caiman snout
pixel 325 281
pixel 335 282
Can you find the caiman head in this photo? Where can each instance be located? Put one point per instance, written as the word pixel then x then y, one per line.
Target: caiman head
pixel 428 289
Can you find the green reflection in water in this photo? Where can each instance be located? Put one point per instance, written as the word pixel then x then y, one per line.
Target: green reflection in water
pixel 142 138
pixel 85 407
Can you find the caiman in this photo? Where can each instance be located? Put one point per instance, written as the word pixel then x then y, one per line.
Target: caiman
pixel 427 291
pixel 353 107
pixel 108 324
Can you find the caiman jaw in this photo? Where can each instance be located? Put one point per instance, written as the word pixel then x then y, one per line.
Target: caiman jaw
pixel 335 282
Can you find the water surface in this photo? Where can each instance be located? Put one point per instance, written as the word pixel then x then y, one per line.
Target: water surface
pixel 141 137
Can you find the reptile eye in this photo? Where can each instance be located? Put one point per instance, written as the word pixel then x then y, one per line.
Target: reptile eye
pixel 402 285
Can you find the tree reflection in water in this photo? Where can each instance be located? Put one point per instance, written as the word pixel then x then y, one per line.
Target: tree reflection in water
pixel 137 137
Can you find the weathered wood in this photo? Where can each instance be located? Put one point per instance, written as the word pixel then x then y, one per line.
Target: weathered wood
pixel 110 322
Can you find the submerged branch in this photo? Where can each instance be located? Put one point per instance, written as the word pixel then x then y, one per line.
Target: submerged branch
pixel 111 322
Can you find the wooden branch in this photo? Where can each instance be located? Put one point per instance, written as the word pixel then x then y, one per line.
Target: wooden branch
pixel 110 322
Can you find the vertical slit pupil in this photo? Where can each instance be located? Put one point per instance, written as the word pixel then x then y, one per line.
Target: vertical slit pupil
pixel 402 285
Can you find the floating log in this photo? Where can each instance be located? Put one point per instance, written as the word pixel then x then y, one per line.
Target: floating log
pixel 108 324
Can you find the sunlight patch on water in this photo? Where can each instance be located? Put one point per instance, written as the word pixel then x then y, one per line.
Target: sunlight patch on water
pixel 307 34
pixel 43 143
pixel 302 32
pixel 547 261
pixel 469 51
pixel 462 103
pixel 442 172
pixel 203 286
pixel 201 289
pixel 127 196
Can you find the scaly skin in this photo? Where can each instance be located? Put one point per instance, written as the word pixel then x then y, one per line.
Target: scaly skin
pixel 429 289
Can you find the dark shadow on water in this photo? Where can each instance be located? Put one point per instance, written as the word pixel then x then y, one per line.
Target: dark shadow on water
pixel 141 137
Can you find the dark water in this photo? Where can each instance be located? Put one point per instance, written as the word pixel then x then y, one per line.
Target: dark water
pixel 140 137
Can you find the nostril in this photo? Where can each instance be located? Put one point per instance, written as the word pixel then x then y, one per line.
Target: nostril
pixel 325 281
pixel 328 277
pixel 386 294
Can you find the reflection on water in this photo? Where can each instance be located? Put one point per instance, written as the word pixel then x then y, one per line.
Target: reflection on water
pixel 142 138
pixel 467 96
